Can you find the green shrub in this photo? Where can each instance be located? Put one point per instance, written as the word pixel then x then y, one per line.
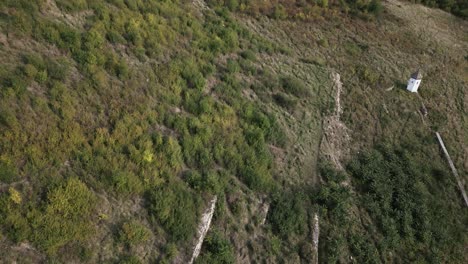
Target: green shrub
pixel 133 233
pixel 41 76
pixel 171 251
pixel 279 12
pixel 375 7
pixel 287 214
pixel 368 75
pixel 22 22
pixel 67 216
pixel 294 86
pixel 30 71
pixel 58 70
pixel 352 48
pixel 72 5
pixel 206 181
pixel 230 38
pixel 127 184
pixel 176 208
pixel 232 66
pixel 248 55
pixel 216 249
pixel 323 42
pixel 8 172
pixel 232 4
pixel 192 75
pixel 14 223
pixel 285 101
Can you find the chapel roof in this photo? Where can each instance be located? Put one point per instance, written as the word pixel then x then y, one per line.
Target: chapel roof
pixel 417 75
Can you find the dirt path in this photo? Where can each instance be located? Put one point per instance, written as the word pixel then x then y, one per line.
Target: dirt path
pixel 203 228
pixel 336 137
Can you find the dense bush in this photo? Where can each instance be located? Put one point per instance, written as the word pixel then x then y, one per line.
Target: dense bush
pixel 285 101
pixel 133 233
pixel 120 100
pixel 396 184
pixel 282 9
pixel 458 7
pixel 216 249
pixel 176 208
pixel 288 214
pixel 8 172
pixel 294 86
pixel 66 217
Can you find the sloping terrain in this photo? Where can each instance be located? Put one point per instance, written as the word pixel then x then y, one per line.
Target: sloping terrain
pixel 375 60
pixel 120 121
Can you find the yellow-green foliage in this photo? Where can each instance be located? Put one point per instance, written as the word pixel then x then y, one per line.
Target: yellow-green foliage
pixel 121 96
pixel 134 233
pixel 66 217
pixel 15 196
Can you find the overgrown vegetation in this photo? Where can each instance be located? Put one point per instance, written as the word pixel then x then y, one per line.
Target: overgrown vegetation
pixel 125 123
pixel 398 190
pixel 120 119
pixel 133 233
pixel 457 7
pixel 288 214
pixel 302 10
pixel 396 186
pixel 217 249
pixel 66 216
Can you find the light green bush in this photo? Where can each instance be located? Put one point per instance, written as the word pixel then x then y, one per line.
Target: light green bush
pixel 133 233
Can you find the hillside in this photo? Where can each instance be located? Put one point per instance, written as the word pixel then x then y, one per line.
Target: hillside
pixel 126 124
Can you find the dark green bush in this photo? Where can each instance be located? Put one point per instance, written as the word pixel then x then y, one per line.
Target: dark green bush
pixel 175 207
pixel 8 172
pixel 216 249
pixel 288 215
pixel 248 55
pixel 72 5
pixel 285 101
pixel 294 86
pixel 58 70
pixel 395 184
pixel 375 7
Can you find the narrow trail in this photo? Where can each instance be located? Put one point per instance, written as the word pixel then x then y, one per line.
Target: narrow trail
pixel 335 133
pixel 203 228
pixel 315 238
pixel 334 142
